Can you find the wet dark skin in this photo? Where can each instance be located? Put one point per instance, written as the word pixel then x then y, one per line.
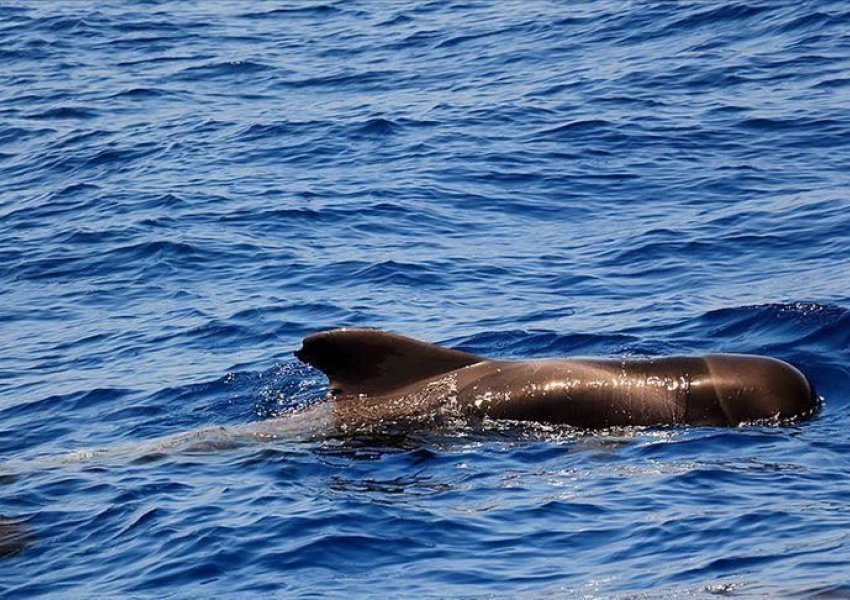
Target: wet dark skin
pixel 376 376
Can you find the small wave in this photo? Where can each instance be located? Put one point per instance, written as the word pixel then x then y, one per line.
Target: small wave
pixel 345 79
pixel 378 127
pixel 74 401
pixel 727 12
pixel 141 93
pixel 582 126
pixel 813 21
pixel 789 124
pixel 317 9
pixel 399 19
pixel 65 112
pixel 229 69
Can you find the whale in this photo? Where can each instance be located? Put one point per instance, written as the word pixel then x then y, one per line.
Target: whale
pixel 380 377
pixel 379 381
pixel 384 381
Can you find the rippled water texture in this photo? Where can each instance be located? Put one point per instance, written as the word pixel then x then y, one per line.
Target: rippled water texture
pixel 189 188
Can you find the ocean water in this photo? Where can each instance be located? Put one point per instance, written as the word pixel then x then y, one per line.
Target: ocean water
pixel 188 189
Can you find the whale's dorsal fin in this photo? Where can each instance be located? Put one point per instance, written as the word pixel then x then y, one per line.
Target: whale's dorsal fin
pixel 365 361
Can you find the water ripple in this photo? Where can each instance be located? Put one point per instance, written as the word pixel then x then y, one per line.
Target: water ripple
pixel 188 190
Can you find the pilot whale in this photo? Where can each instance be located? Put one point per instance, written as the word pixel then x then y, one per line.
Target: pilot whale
pixel 379 379
pixel 383 377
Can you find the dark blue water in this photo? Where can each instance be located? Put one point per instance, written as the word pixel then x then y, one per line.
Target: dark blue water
pixel 188 189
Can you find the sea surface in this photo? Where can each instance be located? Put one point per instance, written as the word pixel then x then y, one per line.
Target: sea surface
pixel 189 188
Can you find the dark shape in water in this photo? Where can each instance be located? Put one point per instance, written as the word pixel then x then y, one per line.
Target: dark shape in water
pixel 379 377
pixel 14 536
